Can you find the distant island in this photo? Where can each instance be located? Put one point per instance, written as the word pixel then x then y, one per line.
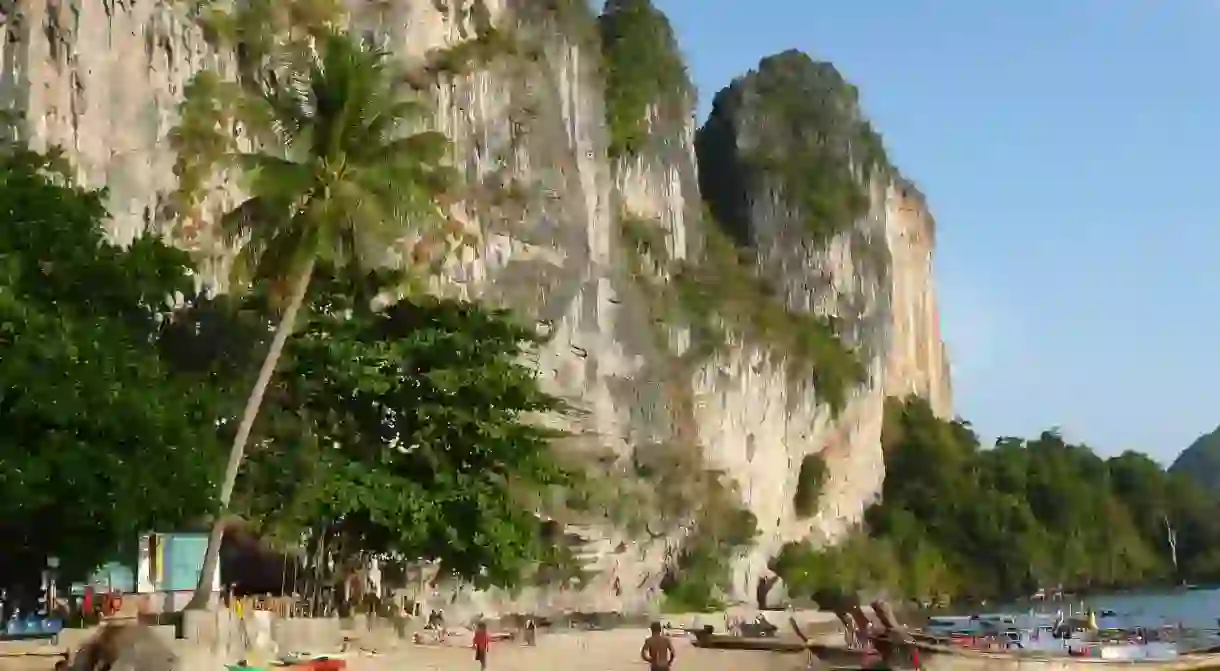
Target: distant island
pixel 1201 461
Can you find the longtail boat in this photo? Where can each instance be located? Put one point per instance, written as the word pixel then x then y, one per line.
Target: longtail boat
pixel 935 657
pixel 836 656
pixel 897 648
pixel 762 644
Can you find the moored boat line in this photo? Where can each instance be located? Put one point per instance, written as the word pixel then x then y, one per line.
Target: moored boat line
pixel 933 657
pixel 1008 647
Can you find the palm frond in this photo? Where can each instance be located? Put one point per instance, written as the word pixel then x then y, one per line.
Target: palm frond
pixel 283 179
pixel 279 253
pixel 394 113
pixel 288 106
pixel 331 175
pixel 425 148
pixel 239 223
pixel 277 189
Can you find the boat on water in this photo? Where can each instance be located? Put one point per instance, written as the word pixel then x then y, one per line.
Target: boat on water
pixel 939 657
pixel 981 643
pixel 759 643
pixel 930 654
pixel 834 655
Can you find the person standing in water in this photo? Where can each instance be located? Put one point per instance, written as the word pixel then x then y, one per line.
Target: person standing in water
pixel 482 643
pixel 658 650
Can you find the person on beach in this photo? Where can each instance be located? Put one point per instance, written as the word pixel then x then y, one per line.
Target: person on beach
pixel 531 632
pixel 658 650
pixel 482 643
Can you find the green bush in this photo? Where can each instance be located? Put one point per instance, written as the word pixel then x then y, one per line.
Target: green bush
pixel 642 67
pixel 700 576
pixel 809 485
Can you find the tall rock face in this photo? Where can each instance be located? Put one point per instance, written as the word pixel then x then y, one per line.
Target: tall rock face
pixel 720 358
pixel 796 174
pixel 918 362
pixel 103 79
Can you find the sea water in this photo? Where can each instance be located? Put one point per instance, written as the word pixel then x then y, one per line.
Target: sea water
pixel 1032 631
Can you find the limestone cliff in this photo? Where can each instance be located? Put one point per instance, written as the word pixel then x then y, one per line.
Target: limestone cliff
pixel 796 173
pixel 781 340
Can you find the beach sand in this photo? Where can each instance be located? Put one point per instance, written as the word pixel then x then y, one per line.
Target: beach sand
pixel 565 650
pixel 615 650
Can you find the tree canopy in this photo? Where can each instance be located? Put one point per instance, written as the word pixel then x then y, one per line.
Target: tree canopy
pixel 412 430
pixel 1006 521
pixel 104 440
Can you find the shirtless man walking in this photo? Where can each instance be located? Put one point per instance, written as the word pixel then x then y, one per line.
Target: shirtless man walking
pixel 658 650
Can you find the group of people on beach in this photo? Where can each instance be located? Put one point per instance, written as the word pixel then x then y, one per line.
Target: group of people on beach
pixel 657 651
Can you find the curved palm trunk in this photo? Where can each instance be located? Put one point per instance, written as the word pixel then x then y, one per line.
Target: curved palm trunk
pixel 203 589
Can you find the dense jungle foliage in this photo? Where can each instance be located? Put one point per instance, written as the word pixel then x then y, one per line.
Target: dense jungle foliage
pixel 960 520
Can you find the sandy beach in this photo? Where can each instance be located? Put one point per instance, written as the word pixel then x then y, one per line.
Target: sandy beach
pixel 567 650
pixel 616 650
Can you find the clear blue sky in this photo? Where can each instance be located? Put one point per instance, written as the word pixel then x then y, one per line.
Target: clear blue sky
pixel 1067 148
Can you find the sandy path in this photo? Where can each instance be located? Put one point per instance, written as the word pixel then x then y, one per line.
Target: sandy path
pixel 617 650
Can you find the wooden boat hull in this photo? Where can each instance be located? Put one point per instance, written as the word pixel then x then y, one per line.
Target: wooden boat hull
pixel 767 644
pixel 934 657
pixel 836 656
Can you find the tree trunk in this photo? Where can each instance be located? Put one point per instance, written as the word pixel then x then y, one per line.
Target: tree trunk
pixel 203 589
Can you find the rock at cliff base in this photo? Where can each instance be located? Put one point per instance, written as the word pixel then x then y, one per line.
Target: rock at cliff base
pixel 124 648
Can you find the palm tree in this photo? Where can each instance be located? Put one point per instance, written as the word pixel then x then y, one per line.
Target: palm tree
pixel 334 178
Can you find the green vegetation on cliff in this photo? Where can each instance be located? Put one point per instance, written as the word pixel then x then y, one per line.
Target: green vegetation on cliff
pixel 807 139
pixel 701 573
pixel 689 493
pixel 717 293
pixel 717 296
pixel 809 482
pixel 642 68
pixel 959 520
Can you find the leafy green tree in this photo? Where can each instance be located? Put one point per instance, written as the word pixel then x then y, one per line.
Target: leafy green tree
pixel 410 430
pixel 104 440
pixel 809 484
pixel 335 174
